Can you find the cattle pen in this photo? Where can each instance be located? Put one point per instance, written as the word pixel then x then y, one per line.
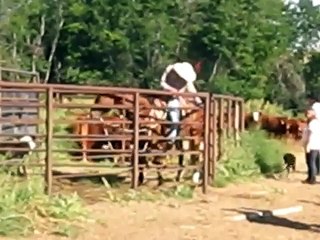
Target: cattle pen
pixel 82 132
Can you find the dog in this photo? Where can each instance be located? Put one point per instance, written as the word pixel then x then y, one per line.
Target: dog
pixel 290 162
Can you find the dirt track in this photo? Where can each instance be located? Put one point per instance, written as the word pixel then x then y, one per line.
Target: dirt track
pixel 205 216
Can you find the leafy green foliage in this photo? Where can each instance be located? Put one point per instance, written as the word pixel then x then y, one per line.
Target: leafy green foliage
pixel 249 159
pixel 254 49
pixel 266 107
pixel 24 207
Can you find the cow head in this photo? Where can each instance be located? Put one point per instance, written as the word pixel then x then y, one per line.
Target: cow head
pixel 256 116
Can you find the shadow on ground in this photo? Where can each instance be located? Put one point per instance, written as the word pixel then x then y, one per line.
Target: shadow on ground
pixel 310 202
pixel 270 219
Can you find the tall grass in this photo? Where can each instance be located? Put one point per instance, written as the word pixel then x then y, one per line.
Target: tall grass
pixel 257 155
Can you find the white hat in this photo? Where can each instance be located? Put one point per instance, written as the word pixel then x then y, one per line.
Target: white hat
pixel 186 71
pixel 316 108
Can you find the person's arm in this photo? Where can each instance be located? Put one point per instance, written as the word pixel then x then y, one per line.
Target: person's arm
pixel 192 89
pixel 163 83
pixel 305 138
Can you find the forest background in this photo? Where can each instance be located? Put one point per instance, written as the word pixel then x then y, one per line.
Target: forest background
pixel 257 49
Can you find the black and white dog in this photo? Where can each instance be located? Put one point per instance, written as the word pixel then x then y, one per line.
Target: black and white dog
pixel 27 142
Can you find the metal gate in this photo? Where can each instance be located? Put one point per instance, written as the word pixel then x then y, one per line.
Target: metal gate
pixel 226 119
pixel 11 98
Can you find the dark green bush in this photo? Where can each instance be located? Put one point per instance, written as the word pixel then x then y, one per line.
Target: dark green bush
pixel 255 155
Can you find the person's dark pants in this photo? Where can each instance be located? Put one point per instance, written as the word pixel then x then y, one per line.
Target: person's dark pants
pixel 312 158
pixel 318 163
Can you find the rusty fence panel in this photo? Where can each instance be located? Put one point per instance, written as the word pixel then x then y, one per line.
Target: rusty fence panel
pixel 16 75
pixel 124 132
pixel 49 144
pixel 221 115
pixel 226 121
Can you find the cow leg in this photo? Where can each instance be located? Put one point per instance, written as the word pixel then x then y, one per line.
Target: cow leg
pixel 180 171
pixel 157 161
pixel 142 160
pixel 84 132
pixel 181 161
pixel 84 152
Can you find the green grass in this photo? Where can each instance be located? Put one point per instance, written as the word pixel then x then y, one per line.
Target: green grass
pixel 25 209
pixel 256 156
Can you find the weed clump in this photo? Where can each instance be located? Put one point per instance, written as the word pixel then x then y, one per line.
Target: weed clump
pixel 25 209
pixel 256 155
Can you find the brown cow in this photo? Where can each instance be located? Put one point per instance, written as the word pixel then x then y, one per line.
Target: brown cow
pixel 127 100
pixel 295 128
pixel 147 113
pixel 85 129
pixel 273 125
pixel 252 119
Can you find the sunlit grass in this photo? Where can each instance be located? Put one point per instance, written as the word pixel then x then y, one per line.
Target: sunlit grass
pixel 25 209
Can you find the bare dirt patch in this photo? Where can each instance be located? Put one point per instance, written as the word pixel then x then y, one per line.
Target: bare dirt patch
pixel 204 217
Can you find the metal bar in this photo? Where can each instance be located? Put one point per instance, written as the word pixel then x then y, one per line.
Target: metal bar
pixel 16 135
pixel 49 147
pixel 118 106
pixel 14 141
pixel 114 151
pixel 22 99
pixel 214 137
pixel 22 121
pixel 229 109
pixel 91 121
pixel 135 154
pixel 96 89
pixel 21 104
pixel 236 123
pixel 80 105
pixel 206 145
pixel 116 138
pixel 20 149
pixel 17 89
pixel 211 140
pixel 220 128
pixel 75 121
pixel 98 174
pixel 242 115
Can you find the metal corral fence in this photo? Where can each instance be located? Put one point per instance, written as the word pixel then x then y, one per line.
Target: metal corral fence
pixel 125 126
pixel 16 75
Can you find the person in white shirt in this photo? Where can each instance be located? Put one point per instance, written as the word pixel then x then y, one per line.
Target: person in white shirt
pixel 314 102
pixel 178 77
pixel 311 143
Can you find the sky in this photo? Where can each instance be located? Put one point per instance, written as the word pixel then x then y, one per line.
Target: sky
pixel 315 2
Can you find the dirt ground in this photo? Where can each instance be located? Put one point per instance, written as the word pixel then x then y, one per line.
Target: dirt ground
pixel 205 217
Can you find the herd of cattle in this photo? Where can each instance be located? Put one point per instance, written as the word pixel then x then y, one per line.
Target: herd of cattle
pixel 116 121
pixel 153 127
pixel 276 126
pixel 152 112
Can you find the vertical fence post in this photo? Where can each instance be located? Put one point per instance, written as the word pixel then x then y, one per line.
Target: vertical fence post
pixel 229 116
pixel 220 127
pixel 135 154
pixel 206 144
pixel 241 115
pixel 214 138
pixel 49 136
pixel 211 141
pixel 237 122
